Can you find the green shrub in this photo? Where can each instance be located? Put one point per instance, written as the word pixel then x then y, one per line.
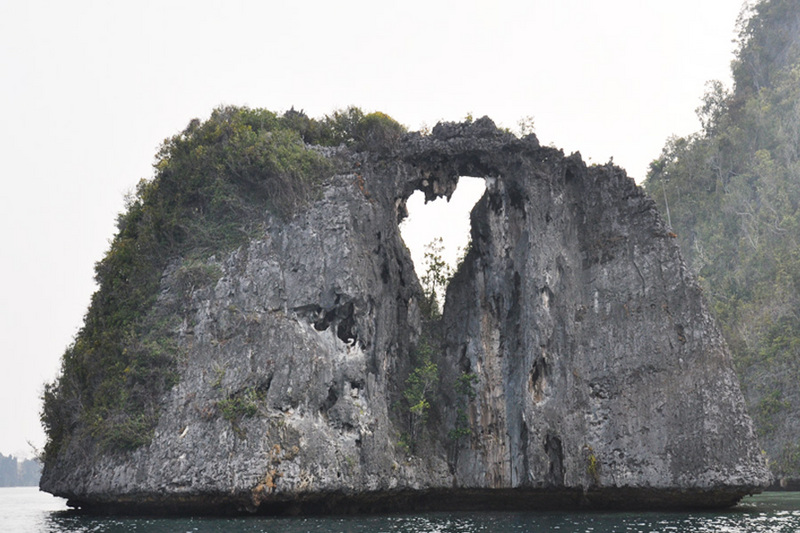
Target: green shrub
pixel 465 393
pixel 788 461
pixel 421 385
pixel 121 431
pixel 378 131
pixel 243 404
pixel 195 274
pixel 350 127
pixel 767 408
pixel 462 427
pixel 465 385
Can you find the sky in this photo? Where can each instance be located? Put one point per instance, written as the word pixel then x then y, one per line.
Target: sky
pixel 91 88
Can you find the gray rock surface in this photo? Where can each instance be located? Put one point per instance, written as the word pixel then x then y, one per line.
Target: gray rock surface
pixel 600 378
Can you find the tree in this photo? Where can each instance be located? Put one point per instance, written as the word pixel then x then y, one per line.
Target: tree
pixel 435 279
pixel 421 385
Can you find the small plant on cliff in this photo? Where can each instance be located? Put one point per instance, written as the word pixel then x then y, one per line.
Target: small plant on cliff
pixel 420 387
pixel 592 465
pixel 525 126
pixel 465 391
pixel 243 404
pixel 465 385
pixel 462 427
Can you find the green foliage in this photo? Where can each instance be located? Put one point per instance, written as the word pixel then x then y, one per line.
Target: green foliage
pixel 421 384
pixel 769 43
pixel 788 461
pixel 119 430
pixel 243 404
pixel 378 131
pixel 435 279
pixel 194 274
pixel 404 442
pixel 731 194
pixel 465 385
pixel 341 127
pixel 462 427
pixel 592 465
pixel 373 131
pixel 219 375
pixel 223 171
pixel 215 185
pixel 423 380
pixel 767 408
pixel 465 392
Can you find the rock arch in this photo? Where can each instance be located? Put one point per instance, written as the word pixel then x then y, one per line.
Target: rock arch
pixel 601 379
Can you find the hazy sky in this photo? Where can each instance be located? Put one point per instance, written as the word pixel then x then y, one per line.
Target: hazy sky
pixel 91 88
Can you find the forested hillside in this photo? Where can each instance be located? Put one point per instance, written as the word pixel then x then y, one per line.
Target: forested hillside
pixel 731 193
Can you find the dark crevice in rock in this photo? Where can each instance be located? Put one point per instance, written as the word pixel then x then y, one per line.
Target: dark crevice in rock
pixel 537 379
pixel 262 387
pixel 385 274
pixel 346 328
pixel 681 333
pixel 341 316
pixel 523 439
pixel 555 454
pixel 330 400
pixel 517 197
pixel 325 319
pixel 400 271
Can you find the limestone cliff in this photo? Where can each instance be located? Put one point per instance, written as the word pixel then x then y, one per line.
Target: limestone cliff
pixel 597 377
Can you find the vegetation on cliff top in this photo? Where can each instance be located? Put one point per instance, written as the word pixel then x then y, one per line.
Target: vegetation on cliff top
pixel 732 193
pixel 215 185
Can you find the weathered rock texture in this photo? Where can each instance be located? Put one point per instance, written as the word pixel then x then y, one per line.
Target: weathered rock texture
pixel 601 378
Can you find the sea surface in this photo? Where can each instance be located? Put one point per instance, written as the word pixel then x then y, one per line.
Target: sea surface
pixel 26 510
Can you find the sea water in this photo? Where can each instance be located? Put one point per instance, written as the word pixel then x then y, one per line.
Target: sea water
pixel 26 510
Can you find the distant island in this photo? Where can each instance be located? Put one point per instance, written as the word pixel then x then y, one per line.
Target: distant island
pixel 15 472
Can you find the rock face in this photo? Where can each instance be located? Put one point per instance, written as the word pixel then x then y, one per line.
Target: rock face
pixel 596 376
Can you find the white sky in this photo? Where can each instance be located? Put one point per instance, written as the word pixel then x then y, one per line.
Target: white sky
pixel 90 89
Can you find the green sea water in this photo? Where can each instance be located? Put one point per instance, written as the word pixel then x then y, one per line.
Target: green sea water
pixel 24 510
